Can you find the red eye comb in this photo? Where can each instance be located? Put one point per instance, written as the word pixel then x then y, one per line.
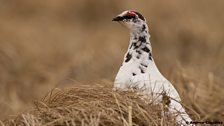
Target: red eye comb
pixel 131 14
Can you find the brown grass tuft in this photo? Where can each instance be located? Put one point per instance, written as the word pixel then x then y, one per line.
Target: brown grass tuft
pixel 92 105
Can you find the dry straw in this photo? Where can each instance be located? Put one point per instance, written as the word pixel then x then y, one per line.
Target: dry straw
pixel 94 106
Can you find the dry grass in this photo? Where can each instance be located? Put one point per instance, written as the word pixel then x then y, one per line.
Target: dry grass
pixel 48 44
pixel 93 105
pixel 98 105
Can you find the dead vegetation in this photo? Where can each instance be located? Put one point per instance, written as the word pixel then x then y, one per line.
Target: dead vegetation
pixel 98 105
pixel 95 106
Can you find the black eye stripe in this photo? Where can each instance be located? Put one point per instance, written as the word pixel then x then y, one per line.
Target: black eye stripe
pixel 132 17
pixel 128 17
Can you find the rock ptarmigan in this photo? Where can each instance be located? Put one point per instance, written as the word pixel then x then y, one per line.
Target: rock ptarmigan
pixel 139 69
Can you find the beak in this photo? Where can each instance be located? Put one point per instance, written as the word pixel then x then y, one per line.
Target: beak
pixel 118 18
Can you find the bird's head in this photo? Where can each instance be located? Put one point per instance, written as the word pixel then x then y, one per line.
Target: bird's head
pixel 131 19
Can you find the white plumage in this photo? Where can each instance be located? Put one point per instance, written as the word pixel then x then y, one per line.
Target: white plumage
pixel 139 70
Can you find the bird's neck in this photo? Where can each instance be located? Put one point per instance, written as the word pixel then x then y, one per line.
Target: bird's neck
pixel 140 46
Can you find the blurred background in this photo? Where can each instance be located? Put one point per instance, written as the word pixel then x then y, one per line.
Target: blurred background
pixel 54 43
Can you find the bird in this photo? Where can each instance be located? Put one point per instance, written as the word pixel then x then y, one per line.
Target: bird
pixel 139 71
